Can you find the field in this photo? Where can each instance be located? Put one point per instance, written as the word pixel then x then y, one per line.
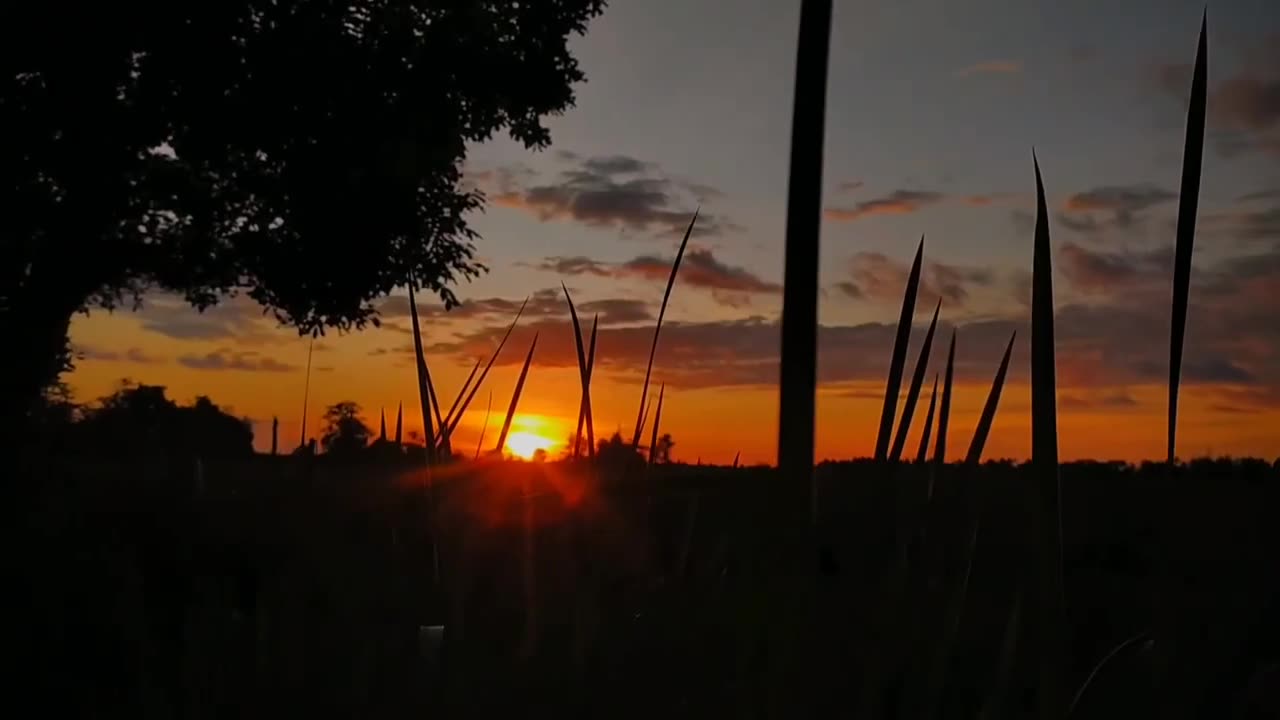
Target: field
pixel 296 587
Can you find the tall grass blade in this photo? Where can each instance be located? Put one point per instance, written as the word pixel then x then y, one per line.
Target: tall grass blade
pixel 799 361
pixel 989 410
pixel 662 311
pixel 736 457
pixel 1188 202
pixel 399 423
pixel 442 435
pixel 453 424
pixel 382 425
pixel 923 452
pixel 424 394
pixel 275 435
pixel 515 396
pixel 583 374
pixel 913 392
pixel 944 412
pixel 584 409
pixel 899 358
pixel 306 393
pixel 448 417
pixel 657 419
pixel 1050 610
pixel 485 426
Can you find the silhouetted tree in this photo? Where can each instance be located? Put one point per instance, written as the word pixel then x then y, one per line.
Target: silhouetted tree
pixel 616 453
pixel 662 453
pixel 142 420
pixel 345 434
pixel 209 148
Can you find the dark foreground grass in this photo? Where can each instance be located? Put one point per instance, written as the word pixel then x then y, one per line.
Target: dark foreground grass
pixel 287 588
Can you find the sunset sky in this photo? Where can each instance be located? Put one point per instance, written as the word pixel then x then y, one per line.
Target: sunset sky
pixel 933 110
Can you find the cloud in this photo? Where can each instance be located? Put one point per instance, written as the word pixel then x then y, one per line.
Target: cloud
pixel 239 318
pixel 850 186
pixel 700 268
pixel 1245 224
pixel 898 202
pixel 991 67
pixel 1105 272
pixel 133 355
pixel 1244 108
pixel 1120 205
pixel 615 191
pixel 1110 401
pixel 877 278
pixel 1118 341
pixel 544 303
pixel 229 360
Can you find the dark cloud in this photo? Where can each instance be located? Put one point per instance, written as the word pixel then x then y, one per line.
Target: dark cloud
pixel 229 360
pixel 1232 349
pixel 699 268
pixel 133 355
pixel 615 165
pixel 547 302
pixel 1111 401
pixel 1120 206
pixel 878 278
pixel 1097 271
pixel 616 191
pixel 898 202
pixel 1244 108
pixel 240 319
pixel 1247 224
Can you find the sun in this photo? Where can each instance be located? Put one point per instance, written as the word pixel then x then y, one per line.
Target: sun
pixel 524 444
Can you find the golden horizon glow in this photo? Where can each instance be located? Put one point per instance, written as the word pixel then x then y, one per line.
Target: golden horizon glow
pixel 525 445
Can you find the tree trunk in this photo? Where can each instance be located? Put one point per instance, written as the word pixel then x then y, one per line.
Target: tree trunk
pixel 37 337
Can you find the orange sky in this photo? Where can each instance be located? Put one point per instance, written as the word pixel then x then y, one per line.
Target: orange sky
pixel 266 378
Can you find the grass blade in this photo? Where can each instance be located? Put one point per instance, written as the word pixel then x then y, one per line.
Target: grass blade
pixel 448 417
pixel 736 457
pixel 591 365
pixel 899 358
pixel 585 404
pixel 424 392
pixel 1050 610
pixel 1188 202
pixel 382 426
pixel 485 373
pixel 944 412
pixel 928 423
pixel 989 410
pixel 798 366
pixel 515 396
pixel 662 311
pixel 485 426
pixel 399 423
pixel 992 708
pixel 657 418
pixel 913 393
pixel 306 393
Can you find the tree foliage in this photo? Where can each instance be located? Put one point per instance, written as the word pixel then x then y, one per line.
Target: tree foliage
pixel 306 153
pixel 345 433
pixel 140 420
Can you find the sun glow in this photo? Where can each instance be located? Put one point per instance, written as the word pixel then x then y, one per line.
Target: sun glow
pixel 525 444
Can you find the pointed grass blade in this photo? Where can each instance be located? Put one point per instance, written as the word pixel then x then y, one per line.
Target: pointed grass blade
pixel 899 358
pixel 583 372
pixel 923 452
pixel 584 413
pixel 382 428
pixel 448 417
pixel 453 424
pixel 657 418
pixel 944 412
pixel 662 311
pixel 913 392
pixel 799 360
pixel 306 393
pixel 485 426
pixel 1188 202
pixel 399 423
pixel 424 380
pixel 989 410
pixel 515 396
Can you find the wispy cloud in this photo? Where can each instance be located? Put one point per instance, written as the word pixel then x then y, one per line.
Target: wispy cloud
pixel 224 359
pixel 898 202
pixel 700 268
